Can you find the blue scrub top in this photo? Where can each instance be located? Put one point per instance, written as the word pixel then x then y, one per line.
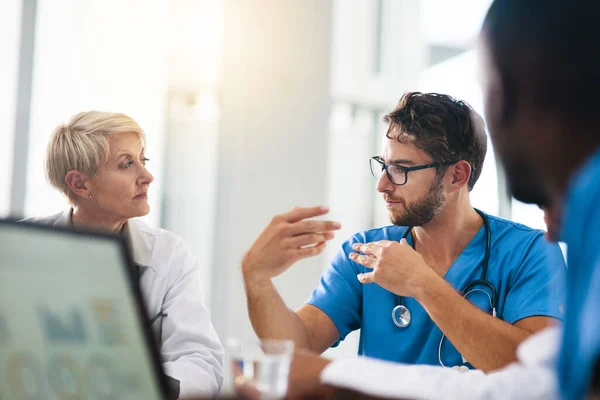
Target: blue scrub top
pixel 527 271
pixel 581 337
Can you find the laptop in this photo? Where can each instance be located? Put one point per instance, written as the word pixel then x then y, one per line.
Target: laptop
pixel 72 322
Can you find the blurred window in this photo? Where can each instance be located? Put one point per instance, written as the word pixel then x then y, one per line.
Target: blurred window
pixel 10 30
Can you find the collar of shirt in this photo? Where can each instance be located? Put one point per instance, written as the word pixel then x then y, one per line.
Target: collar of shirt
pixel 578 189
pixel 140 249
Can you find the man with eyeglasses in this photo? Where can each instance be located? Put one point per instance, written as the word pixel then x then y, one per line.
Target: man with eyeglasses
pixel 444 285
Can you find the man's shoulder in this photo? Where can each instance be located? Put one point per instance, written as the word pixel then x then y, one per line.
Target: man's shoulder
pixel 504 228
pixel 523 242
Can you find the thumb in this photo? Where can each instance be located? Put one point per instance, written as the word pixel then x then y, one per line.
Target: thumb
pixel 366 277
pixel 403 242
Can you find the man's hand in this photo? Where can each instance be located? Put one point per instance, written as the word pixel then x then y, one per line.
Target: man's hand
pixel 305 375
pixel 287 239
pixel 396 266
pixel 305 380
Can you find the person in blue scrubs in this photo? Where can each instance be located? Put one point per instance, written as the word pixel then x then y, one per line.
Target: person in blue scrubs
pixel 430 160
pixel 541 85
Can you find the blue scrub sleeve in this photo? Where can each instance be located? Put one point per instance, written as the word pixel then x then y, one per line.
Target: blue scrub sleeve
pixel 339 293
pixel 537 286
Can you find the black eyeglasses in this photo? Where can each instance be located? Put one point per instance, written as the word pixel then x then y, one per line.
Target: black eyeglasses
pixel 397 174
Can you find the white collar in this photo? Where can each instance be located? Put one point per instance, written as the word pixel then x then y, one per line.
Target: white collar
pixel 64 219
pixel 139 247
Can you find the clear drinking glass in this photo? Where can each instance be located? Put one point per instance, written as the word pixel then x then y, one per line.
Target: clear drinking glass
pixel 264 366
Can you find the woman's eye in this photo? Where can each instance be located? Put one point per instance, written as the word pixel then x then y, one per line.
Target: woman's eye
pixel 130 163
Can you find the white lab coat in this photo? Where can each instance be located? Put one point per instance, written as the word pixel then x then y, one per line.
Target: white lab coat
pixel 170 283
pixel 533 376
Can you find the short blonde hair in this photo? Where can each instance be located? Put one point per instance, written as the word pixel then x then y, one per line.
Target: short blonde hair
pixel 82 144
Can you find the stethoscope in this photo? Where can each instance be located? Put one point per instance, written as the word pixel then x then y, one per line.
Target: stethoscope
pixel 401 315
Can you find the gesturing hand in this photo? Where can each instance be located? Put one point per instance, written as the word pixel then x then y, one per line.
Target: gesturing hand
pixel 395 266
pixel 287 239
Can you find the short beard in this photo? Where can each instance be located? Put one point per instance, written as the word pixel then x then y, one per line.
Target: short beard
pixel 423 210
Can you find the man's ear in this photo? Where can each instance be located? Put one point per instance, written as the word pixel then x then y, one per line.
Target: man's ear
pixel 461 173
pixel 79 184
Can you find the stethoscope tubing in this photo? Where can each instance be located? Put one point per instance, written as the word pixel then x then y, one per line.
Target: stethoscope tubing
pixel 401 315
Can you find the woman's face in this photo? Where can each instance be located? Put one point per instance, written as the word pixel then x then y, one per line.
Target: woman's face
pixel 120 188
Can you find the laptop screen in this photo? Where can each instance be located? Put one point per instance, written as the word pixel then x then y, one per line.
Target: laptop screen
pixel 69 322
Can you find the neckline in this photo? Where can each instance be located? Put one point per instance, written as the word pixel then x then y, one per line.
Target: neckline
pixel 469 250
pixel 72 225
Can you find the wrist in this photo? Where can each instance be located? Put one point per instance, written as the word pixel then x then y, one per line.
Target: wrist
pixel 251 277
pixel 428 287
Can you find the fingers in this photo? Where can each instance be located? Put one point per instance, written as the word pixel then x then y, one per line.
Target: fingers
pixel 366 278
pixel 363 259
pixel 245 388
pixel 372 248
pixel 300 213
pixel 303 227
pixel 308 239
pixel 292 223
pixel 370 252
pixel 311 251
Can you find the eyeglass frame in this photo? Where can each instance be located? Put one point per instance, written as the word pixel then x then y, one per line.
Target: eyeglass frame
pixel 406 170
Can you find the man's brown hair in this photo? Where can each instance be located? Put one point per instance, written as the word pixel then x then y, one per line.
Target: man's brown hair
pixel 445 128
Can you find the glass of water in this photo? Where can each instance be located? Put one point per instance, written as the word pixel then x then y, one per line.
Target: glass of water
pixel 263 367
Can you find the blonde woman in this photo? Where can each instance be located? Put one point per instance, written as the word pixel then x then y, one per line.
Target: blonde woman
pixel 97 160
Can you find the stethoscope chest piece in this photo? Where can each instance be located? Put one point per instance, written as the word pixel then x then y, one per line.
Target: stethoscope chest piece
pixel 401 316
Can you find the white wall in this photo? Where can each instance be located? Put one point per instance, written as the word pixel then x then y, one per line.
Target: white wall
pixel 194 57
pixel 108 55
pixel 273 140
pixel 190 179
pixel 10 30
